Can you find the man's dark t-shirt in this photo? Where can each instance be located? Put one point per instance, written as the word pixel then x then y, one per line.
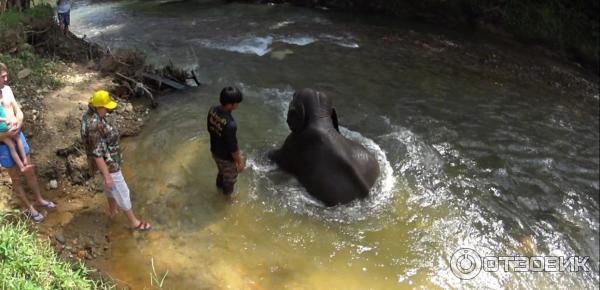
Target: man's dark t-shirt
pixel 222 129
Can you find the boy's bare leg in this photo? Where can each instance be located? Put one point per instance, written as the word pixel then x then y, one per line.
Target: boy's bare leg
pixel 21 148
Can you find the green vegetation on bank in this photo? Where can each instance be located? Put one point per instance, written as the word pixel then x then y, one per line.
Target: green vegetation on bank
pixel 18 27
pixel 25 261
pixel 35 71
pixel 572 26
pixel 29 70
pixel 28 263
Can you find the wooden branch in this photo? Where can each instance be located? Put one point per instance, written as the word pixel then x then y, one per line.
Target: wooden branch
pixel 126 77
pixel 139 89
pixel 115 58
pixel 195 78
pixel 38 32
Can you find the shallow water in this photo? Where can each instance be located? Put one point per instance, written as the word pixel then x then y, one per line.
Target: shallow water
pixel 469 158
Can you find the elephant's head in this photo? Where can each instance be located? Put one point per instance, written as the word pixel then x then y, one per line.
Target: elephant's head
pixel 308 106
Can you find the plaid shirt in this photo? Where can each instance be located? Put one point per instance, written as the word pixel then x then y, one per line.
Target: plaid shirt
pixel 101 139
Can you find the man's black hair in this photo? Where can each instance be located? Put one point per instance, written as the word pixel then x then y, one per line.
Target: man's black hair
pixel 230 95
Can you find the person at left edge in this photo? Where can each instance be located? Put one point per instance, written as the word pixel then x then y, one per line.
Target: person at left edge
pixel 7 161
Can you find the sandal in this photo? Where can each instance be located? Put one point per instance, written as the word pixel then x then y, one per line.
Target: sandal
pixel 38 217
pixel 48 205
pixel 142 226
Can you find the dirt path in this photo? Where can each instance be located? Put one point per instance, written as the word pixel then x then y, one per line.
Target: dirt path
pixel 79 228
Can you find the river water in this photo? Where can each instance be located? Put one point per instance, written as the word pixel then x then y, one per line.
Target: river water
pixel 472 154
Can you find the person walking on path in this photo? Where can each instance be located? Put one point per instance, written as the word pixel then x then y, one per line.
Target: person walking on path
pixel 6 160
pixel 63 10
pixel 223 140
pixel 101 141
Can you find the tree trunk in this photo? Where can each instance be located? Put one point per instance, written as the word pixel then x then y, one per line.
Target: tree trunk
pixel 18 5
pixel 3 5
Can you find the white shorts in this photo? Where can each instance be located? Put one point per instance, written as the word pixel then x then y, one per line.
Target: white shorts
pixel 119 191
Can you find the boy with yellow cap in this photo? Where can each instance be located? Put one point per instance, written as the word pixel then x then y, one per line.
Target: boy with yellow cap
pixel 101 141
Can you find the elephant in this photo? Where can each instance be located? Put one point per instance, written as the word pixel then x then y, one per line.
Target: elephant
pixel 332 168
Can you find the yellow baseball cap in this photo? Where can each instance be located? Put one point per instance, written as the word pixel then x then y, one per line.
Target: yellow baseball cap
pixel 102 99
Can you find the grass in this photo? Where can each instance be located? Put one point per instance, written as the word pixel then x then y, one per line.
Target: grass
pixel 42 71
pixel 155 280
pixel 12 19
pixel 29 263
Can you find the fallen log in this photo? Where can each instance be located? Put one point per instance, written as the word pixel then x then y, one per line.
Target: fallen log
pixel 162 80
pixel 139 89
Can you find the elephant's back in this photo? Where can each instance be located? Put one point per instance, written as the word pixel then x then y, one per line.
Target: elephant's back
pixel 365 161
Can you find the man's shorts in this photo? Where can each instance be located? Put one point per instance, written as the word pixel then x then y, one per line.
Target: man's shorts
pixel 64 18
pixel 119 191
pixel 6 159
pixel 228 170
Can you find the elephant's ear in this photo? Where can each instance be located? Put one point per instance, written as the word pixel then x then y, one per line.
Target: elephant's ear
pixel 296 117
pixel 334 119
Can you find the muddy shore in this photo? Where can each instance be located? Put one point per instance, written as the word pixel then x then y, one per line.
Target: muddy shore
pixel 79 228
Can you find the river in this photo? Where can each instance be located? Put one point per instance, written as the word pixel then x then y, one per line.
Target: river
pixel 473 154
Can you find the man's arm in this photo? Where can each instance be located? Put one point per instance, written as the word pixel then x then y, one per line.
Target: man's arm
pixel 231 141
pixel 5 135
pixel 16 127
pixel 239 162
pixel 93 141
pixel 101 164
pixel 18 113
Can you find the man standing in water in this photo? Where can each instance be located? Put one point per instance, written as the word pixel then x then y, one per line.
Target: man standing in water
pixel 223 140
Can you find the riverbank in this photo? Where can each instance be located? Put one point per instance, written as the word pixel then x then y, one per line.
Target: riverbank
pixel 53 76
pixel 52 115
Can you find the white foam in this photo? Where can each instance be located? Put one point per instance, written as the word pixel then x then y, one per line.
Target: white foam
pixel 282 24
pixel 348 44
pixel 278 98
pixel 110 28
pixel 254 45
pixel 343 41
pixel 300 41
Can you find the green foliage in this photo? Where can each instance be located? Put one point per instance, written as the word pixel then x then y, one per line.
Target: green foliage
pixel 42 11
pixel 10 19
pixel 42 69
pixel 28 263
pixel 571 25
pixel 13 19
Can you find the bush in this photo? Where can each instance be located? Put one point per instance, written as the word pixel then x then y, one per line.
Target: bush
pixel 42 69
pixel 10 19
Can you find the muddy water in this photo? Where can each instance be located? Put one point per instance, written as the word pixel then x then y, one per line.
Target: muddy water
pixel 471 156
